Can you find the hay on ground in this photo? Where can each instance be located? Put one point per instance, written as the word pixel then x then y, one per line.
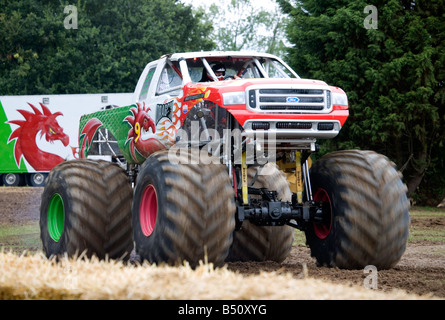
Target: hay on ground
pixel 36 277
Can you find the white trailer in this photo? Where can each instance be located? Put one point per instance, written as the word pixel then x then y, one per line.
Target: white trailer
pixel 37 132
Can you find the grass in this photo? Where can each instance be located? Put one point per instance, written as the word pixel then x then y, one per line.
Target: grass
pixel 299 238
pixel 427 224
pixel 421 235
pixel 20 238
pixel 427 212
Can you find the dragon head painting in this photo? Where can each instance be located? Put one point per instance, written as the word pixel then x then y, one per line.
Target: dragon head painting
pixel 37 124
pixel 141 139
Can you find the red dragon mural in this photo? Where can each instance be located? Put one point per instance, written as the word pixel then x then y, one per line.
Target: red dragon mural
pixel 138 136
pixel 25 146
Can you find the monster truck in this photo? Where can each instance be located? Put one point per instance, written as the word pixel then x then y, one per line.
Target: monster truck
pixel 212 162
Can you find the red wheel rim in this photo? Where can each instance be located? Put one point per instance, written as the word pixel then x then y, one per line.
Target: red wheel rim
pixel 322 230
pixel 149 210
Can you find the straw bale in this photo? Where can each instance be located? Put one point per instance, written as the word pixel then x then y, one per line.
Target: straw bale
pixel 36 277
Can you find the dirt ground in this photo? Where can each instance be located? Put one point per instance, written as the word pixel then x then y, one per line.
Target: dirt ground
pixel 420 271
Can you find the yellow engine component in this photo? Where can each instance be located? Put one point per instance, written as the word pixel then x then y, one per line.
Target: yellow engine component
pixel 290 176
pixel 292 170
pixel 244 179
pixel 298 177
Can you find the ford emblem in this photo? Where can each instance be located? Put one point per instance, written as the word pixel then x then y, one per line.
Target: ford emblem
pixel 293 99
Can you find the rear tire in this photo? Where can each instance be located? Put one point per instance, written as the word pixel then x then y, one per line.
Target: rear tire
pixel 86 206
pixel 262 243
pixel 368 219
pixel 183 212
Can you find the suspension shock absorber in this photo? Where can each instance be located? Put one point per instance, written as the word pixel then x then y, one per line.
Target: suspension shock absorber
pixel 307 181
pixel 244 187
pixel 298 176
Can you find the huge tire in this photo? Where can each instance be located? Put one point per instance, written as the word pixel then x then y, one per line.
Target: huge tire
pixel 368 219
pixel 262 243
pixel 183 212
pixel 86 206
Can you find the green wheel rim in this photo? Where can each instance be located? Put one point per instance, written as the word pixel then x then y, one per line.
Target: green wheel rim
pixel 56 217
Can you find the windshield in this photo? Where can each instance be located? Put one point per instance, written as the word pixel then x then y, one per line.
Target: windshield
pixel 235 68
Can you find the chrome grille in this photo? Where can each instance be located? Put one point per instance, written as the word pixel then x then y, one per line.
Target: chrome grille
pixel 289 100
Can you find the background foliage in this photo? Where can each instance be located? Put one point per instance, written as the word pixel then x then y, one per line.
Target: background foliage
pixel 113 43
pixel 393 75
pixel 245 25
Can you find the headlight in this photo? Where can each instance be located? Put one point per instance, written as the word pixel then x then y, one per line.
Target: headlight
pixel 231 98
pixel 339 99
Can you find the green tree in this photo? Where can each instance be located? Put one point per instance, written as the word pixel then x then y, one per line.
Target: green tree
pixel 106 53
pixel 393 75
pixel 243 25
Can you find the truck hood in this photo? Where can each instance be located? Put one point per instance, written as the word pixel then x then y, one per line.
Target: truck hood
pixel 214 92
pixel 242 84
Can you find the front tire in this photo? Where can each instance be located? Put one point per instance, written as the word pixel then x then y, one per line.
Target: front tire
pixel 366 219
pixel 182 212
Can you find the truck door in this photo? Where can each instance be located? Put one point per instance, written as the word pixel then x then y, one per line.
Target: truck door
pixel 159 93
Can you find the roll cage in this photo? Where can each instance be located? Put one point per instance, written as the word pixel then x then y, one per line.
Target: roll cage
pixel 245 67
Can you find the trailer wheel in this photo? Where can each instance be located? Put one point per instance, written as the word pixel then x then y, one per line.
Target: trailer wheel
pixel 86 205
pixel 36 179
pixel 13 179
pixel 261 243
pixel 182 211
pixel 366 219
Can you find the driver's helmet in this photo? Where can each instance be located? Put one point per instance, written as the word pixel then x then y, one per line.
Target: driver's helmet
pixel 219 69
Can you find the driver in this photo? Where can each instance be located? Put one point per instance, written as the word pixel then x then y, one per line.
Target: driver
pixel 218 69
